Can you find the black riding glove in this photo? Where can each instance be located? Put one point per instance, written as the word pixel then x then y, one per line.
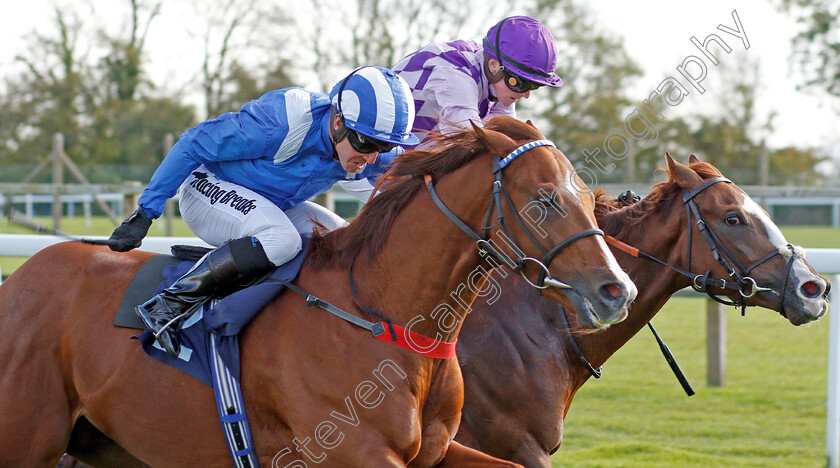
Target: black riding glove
pixel 130 233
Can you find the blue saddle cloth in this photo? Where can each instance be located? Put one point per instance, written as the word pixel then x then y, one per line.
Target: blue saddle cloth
pixel 225 317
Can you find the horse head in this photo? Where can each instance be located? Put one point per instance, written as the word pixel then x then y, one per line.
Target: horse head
pixel 766 271
pixel 554 242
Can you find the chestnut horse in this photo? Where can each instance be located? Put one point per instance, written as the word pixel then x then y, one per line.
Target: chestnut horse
pixel 522 341
pixel 70 381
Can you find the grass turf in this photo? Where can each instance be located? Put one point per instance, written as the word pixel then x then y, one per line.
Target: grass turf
pixel 770 413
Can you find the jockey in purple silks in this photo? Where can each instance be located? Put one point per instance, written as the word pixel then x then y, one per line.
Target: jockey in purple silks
pixel 455 82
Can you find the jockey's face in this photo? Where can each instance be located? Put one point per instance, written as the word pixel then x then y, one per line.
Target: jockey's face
pixel 350 159
pixel 507 96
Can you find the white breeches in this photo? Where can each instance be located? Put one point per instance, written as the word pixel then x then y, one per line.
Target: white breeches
pixel 219 211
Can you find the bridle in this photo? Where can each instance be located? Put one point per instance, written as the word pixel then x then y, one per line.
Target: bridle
pixel 743 283
pixel 746 285
pixel 486 247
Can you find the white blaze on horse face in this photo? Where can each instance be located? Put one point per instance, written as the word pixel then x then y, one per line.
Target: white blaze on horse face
pixel 773 233
pixel 800 269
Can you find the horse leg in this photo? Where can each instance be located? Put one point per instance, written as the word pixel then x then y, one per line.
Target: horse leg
pixel 90 445
pixel 36 414
pixel 460 456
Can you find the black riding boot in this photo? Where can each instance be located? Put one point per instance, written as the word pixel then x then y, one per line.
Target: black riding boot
pixel 230 266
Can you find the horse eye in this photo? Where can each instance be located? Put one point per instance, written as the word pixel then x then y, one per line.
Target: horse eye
pixel 546 201
pixel 733 220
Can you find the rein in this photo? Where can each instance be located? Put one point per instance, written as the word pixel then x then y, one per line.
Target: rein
pixel 485 246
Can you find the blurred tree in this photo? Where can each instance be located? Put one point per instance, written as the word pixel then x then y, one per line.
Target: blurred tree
pixel 96 97
pixel 596 72
pixel 228 31
pixel 796 166
pixel 128 124
pixel 816 48
pixel 122 66
pixel 47 97
pixel 243 85
pixel 340 35
pixel 729 134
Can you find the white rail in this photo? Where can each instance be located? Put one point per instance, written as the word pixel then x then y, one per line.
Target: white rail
pixel 26 245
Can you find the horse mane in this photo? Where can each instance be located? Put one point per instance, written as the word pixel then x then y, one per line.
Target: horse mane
pixel 366 234
pixel 618 222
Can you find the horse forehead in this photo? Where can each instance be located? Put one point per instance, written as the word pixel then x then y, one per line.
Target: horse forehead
pixel 760 216
pixel 544 165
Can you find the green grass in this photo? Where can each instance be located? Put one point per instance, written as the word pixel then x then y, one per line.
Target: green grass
pixel 770 413
pixel 813 236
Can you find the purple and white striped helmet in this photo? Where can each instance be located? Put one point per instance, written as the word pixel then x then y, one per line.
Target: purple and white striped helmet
pixel 525 47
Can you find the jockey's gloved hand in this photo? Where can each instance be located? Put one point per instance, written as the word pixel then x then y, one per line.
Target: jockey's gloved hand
pixel 130 233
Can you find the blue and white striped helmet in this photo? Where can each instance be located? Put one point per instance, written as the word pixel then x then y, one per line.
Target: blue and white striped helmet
pixel 376 102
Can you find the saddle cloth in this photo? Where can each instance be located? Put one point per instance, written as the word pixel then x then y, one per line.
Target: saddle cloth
pixel 224 317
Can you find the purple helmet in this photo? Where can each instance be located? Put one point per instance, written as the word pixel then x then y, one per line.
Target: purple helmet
pixel 525 47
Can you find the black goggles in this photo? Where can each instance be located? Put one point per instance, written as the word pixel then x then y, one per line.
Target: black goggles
pixel 366 145
pixel 518 84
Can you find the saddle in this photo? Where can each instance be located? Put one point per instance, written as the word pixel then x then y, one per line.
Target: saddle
pixel 223 316
pixel 147 282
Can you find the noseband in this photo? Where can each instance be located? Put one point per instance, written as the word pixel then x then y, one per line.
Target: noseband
pixel 486 247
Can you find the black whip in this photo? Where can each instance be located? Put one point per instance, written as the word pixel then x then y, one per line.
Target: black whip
pixel 686 385
pixel 16 217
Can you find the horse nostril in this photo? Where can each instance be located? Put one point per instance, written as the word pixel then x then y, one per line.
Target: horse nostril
pixel 612 291
pixel 810 289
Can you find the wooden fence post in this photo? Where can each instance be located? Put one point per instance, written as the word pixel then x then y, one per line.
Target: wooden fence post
pixel 169 207
pixel 57 178
pixel 715 344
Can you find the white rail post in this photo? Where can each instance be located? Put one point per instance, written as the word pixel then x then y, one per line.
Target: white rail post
pixel 832 428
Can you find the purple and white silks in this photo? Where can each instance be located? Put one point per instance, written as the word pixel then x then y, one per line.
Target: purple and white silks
pixel 449 87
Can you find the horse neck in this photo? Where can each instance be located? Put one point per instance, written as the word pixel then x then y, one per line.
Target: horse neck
pixel 657 283
pixel 425 274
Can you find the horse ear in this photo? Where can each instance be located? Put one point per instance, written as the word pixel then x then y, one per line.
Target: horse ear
pixel 496 142
pixel 693 159
pixel 530 123
pixel 682 175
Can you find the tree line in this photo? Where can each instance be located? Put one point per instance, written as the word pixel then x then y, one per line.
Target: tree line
pixel 94 86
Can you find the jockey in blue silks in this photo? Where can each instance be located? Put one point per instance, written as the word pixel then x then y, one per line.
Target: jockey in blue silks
pixel 245 178
pixel 454 83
